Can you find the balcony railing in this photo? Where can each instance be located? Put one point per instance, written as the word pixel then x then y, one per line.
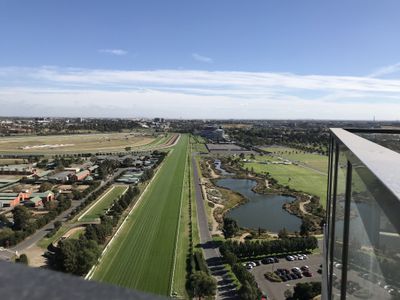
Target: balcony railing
pixel 362 241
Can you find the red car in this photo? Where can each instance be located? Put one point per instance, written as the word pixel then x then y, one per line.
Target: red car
pixel 307 273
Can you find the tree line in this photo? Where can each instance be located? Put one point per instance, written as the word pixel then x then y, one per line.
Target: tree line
pixel 249 288
pixel 263 248
pixel 78 256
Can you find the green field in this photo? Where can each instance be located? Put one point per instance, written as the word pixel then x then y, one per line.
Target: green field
pixel 142 255
pixel 198 144
pixel 104 202
pixel 314 161
pixel 297 177
pixel 56 144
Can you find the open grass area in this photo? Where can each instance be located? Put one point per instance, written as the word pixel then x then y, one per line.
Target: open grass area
pixel 45 242
pixel 179 280
pixel 142 255
pixel 11 161
pixel 296 177
pixel 56 144
pixel 315 161
pixel 103 203
pixel 198 144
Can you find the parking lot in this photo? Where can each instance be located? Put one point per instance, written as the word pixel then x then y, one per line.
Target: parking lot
pixel 275 290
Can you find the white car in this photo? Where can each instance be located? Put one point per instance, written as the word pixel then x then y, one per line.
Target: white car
pixel 252 263
pixel 290 258
pixel 296 270
pixel 300 257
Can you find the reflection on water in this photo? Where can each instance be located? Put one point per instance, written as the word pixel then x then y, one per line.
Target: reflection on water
pixel 263 211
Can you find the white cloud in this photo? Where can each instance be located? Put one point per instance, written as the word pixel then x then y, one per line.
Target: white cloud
pixel 386 70
pixel 117 52
pixel 202 58
pixel 195 94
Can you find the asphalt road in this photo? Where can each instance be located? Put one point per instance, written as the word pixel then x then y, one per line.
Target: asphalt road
pixel 275 290
pixel 225 287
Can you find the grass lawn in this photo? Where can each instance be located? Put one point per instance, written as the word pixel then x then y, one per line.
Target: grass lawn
pixel 104 202
pixel 198 144
pixel 315 161
pixel 76 235
pixel 56 144
pixel 142 255
pixel 179 280
pixel 45 242
pixel 301 179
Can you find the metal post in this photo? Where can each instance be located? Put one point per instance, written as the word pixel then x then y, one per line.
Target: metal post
pixel 345 250
pixel 332 225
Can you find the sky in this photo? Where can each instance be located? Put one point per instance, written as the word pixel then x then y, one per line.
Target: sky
pixel 266 59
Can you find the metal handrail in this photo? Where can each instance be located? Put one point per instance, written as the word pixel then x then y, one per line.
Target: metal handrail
pixel 381 161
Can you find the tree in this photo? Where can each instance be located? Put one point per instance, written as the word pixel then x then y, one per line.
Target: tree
pixel 306 226
pixel 306 291
pixel 45 186
pixel 57 224
pixel 23 259
pixel 202 284
pixel 230 227
pixel 4 221
pixel 21 217
pixel 283 233
pixel 127 162
pixel 248 292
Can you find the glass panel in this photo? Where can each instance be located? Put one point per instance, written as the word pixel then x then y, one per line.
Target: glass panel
pixel 388 140
pixel 339 220
pixel 374 244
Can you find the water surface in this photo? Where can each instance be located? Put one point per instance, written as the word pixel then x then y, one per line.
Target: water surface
pixel 263 211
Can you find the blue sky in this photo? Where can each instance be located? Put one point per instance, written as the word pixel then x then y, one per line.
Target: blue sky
pixel 216 59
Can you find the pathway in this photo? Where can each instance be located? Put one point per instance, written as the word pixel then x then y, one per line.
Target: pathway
pixel 225 287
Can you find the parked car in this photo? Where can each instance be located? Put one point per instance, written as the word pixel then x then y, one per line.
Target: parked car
pixel 252 263
pixel 307 274
pixel 296 270
pixel 276 259
pixel 305 268
pixel 264 261
pixel 290 258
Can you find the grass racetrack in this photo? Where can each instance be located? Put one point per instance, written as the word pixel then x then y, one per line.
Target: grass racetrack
pixel 142 255
pixel 104 203
pixel 72 143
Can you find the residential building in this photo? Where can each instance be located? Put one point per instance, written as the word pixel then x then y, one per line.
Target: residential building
pixel 80 175
pixel 10 199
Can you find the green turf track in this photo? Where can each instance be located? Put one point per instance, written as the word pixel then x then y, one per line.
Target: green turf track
pixel 142 255
pixel 104 203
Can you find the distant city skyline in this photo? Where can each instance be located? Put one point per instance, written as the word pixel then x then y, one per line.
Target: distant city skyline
pixel 201 60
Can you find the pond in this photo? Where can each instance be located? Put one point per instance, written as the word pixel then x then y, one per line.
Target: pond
pixel 263 211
